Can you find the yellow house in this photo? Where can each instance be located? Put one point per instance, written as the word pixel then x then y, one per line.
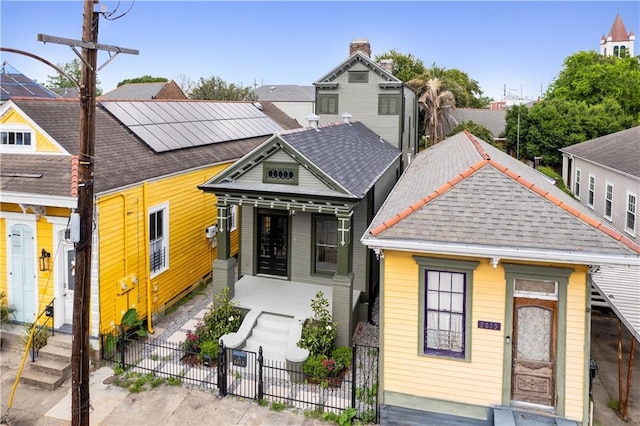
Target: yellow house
pixel 485 290
pixel 152 240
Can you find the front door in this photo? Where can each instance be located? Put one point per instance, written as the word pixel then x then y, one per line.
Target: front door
pixel 23 273
pixel 534 351
pixel 273 244
pixel 69 283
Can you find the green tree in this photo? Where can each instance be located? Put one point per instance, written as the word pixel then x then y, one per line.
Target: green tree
pixel 405 66
pixel 73 70
pixel 555 123
pixel 592 96
pixel 476 129
pixel 591 77
pixel 143 79
pixel 412 71
pixel 215 88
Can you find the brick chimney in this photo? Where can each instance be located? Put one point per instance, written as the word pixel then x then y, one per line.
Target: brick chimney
pixel 360 45
pixel 387 64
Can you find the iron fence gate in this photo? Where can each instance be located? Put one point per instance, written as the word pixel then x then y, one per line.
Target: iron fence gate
pixel 251 375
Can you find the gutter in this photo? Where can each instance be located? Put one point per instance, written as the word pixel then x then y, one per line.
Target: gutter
pixel 511 253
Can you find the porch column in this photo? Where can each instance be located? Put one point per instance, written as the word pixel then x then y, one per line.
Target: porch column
pixel 342 306
pixel 224 265
pixel 345 255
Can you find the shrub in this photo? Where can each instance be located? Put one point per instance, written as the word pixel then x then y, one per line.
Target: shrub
pixel 314 367
pixel 193 342
pixel 342 357
pixel 224 316
pixel 319 333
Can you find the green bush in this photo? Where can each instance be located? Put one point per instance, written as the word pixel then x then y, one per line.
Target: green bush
pixel 319 333
pixel 209 349
pixel 342 357
pixel 224 316
pixel 314 367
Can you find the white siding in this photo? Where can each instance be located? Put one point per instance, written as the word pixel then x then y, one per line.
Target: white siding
pixel 621 185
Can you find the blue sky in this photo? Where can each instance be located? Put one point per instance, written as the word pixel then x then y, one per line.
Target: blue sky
pixel 518 44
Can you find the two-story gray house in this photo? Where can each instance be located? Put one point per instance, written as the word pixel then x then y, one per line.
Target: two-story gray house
pixel 300 198
pixel 604 174
pixel 369 92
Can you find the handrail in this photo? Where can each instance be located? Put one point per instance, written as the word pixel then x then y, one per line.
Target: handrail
pixel 49 312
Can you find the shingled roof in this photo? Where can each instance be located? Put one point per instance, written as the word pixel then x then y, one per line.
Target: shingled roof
pixel 349 155
pixel 618 151
pixel 121 158
pixel 463 195
pixel 285 93
pixel 618 32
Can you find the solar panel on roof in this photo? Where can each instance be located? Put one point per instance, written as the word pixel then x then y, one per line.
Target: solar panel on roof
pixel 166 126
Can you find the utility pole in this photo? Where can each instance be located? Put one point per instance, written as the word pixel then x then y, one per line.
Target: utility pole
pixel 80 401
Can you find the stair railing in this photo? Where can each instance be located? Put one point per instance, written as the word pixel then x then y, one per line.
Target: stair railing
pixel 48 311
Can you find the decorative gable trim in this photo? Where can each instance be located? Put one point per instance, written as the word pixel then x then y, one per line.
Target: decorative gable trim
pixel 357 57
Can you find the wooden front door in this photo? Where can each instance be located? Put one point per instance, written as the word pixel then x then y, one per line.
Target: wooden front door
pixel 273 234
pixel 534 351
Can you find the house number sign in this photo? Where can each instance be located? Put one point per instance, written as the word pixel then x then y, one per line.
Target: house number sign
pixel 488 325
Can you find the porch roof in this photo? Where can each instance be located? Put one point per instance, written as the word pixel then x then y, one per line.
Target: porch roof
pixel 620 286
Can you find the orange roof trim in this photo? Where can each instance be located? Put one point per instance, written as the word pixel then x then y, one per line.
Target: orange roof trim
pixel 422 202
pixel 556 201
pixel 74 176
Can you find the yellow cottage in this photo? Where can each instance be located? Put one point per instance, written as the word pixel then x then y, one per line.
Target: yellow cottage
pixel 485 290
pixel 150 242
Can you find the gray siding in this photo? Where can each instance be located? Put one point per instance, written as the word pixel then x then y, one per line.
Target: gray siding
pixel 361 101
pixel 359 225
pixel 622 185
pixel 384 186
pixel 305 177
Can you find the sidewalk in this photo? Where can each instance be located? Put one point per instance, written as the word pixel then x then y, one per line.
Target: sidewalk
pixel 113 405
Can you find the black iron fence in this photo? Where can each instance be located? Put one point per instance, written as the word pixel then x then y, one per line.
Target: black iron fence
pixel 251 375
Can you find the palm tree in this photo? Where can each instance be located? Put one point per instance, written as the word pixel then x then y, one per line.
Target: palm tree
pixel 437 105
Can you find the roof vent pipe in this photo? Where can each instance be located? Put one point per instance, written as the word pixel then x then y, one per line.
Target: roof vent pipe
pixel 347 118
pixel 313 120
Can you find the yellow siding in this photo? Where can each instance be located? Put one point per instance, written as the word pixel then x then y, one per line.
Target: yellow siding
pixel 122 219
pixel 45 278
pixel 576 345
pixel 42 143
pixel 3 256
pixel 405 371
pixel 430 377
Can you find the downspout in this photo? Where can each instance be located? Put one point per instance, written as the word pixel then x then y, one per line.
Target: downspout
pixel 587 410
pixel 146 257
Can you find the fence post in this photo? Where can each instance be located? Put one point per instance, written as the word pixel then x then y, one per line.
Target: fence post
pixel 222 370
pixel 353 376
pixel 260 381
pixel 122 341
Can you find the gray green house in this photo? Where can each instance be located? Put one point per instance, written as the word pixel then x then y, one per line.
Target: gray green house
pixel 298 200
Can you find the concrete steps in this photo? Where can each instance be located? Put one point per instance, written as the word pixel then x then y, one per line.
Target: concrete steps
pixel 272 333
pixel 53 365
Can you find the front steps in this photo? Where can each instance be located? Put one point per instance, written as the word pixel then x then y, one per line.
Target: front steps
pixel 272 333
pixel 53 365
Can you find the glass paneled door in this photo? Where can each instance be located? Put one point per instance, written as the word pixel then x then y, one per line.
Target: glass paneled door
pixel 273 244
pixel 534 351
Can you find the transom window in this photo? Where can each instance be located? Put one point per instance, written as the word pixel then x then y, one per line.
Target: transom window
pixel 327 104
pixel 445 306
pixel 326 243
pixel 158 239
pixel 630 225
pixel 389 104
pixel 608 201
